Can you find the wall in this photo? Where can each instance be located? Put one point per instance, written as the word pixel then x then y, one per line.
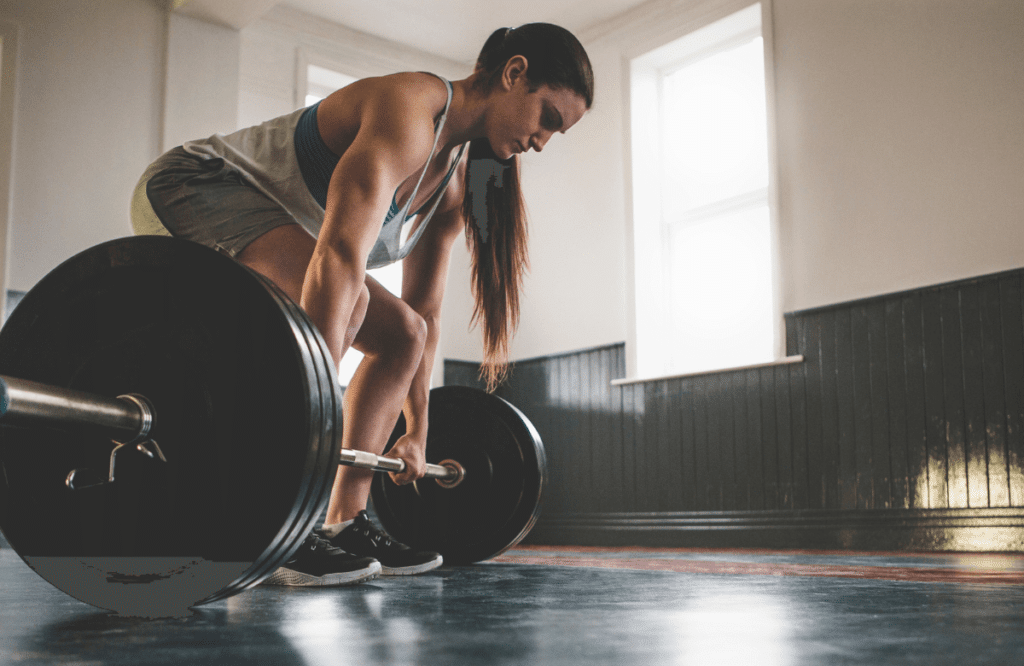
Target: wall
pixel 900 160
pixel 89 107
pixel 900 151
pixel 201 83
pixel 903 428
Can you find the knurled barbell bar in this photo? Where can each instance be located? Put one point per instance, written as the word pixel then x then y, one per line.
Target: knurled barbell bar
pixel 216 364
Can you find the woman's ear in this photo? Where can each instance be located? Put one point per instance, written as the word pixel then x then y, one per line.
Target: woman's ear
pixel 515 69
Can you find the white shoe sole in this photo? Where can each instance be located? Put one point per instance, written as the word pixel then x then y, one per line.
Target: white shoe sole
pixel 292 578
pixel 412 570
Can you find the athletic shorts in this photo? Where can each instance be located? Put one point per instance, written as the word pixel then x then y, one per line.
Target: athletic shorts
pixel 202 200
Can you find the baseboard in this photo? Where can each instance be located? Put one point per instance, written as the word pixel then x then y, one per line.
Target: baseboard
pixel 963 530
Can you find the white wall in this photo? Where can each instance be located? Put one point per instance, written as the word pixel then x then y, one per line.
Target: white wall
pixel 201 85
pixel 88 122
pixel 901 143
pixel 900 159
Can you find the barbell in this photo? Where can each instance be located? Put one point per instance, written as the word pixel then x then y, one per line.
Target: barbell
pixel 170 425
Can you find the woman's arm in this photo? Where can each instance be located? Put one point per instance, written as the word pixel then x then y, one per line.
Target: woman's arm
pixel 394 139
pixel 424 273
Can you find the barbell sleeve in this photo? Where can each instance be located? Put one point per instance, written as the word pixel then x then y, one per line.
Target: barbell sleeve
pixel 448 471
pixel 24 402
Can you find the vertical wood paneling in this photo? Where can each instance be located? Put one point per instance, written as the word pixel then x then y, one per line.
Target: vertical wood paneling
pixel 975 446
pixel 689 453
pixel 615 472
pixel 935 424
pixel 810 346
pixel 917 431
pixel 769 439
pixel 784 437
pixel 830 410
pixel 755 450
pixel 704 442
pixel 862 421
pixel 1013 358
pixel 566 439
pixel 847 414
pixel 798 414
pixel 584 454
pixel 726 416
pixel 878 372
pixel 659 475
pixel 992 395
pixel 953 388
pixel 628 444
pixel 674 407
pixel 896 394
pixel 741 439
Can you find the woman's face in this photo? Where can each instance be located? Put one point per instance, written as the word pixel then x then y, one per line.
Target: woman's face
pixel 522 120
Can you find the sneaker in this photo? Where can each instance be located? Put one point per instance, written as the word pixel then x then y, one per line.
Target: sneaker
pixel 396 559
pixel 319 564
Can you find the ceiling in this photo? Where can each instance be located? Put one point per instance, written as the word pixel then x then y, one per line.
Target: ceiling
pixel 456 29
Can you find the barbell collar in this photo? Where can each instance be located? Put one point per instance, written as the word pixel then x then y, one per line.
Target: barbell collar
pixel 127 418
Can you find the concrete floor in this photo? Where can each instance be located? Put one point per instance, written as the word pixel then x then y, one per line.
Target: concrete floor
pixel 559 606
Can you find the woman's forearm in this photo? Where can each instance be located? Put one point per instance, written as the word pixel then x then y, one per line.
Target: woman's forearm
pixel 329 294
pixel 417 401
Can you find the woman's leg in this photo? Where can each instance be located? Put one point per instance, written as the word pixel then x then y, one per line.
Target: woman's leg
pixel 389 333
pixel 392 338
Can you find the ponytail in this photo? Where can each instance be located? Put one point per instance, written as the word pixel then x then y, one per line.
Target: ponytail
pixel 496 232
pixel 493 207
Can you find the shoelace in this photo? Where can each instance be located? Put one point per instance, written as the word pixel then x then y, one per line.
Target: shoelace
pixel 378 537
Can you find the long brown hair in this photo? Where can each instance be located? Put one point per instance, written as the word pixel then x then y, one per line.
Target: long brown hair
pixel 496 227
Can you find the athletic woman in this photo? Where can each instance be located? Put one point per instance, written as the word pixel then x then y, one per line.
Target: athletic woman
pixel 314 198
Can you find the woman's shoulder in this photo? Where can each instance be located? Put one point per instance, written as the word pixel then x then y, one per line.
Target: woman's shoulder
pixel 410 100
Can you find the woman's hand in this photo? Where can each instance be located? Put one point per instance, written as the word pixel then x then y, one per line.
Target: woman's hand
pixel 413 450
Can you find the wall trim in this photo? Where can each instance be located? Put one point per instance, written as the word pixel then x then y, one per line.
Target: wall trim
pixel 868 300
pixel 961 530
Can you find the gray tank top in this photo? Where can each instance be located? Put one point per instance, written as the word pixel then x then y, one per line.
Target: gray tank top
pixel 265 156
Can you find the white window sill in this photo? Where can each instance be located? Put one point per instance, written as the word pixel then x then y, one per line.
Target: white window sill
pixel 782 361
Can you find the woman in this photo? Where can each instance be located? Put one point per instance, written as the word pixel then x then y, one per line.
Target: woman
pixel 314 198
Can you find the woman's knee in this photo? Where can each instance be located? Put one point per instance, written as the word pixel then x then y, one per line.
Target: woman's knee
pixel 410 333
pixel 400 336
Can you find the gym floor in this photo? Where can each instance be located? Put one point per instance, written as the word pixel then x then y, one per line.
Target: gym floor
pixel 546 606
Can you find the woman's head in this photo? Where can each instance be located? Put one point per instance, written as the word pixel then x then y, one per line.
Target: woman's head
pixel 556 58
pixel 543 83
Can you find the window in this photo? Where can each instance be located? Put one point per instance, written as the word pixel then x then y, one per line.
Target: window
pixel 321 82
pixel 702 222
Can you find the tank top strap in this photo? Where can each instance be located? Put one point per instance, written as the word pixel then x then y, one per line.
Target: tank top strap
pixel 403 211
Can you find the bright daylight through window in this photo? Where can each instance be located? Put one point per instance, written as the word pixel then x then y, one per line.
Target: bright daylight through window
pixel 702 225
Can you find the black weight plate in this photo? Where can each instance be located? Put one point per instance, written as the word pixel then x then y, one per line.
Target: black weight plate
pixel 241 417
pixel 499 500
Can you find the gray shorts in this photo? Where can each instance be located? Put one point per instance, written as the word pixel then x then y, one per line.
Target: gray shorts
pixel 202 200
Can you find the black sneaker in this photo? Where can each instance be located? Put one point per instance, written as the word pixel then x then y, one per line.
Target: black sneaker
pixel 319 564
pixel 396 559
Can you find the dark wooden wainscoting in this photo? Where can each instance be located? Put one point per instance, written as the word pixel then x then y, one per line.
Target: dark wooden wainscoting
pixel 902 429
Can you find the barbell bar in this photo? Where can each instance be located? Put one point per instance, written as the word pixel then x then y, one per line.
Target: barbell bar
pixel 131 416
pixel 242 395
